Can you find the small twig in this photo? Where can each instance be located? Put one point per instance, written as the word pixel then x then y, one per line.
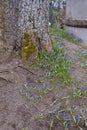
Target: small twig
pixel 6 80
pixel 25 69
pixel 4 71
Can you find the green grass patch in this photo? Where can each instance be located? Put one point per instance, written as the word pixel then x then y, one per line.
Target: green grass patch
pixel 55 65
pixel 62 33
pixel 83 55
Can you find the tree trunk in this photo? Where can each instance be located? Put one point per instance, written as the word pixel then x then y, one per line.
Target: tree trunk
pixel 20 16
pixel 8 27
pixel 34 17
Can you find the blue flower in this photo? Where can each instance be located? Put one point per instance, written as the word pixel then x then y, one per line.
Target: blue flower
pixel 73 107
pixel 78 119
pixel 78 51
pixel 66 123
pixel 63 94
pixel 83 110
pixel 58 38
pixel 58 105
pixel 85 89
pixel 50 113
pixel 64 114
pixel 43 88
pixel 67 126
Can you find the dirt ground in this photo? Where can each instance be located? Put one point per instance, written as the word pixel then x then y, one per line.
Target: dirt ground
pixel 23 104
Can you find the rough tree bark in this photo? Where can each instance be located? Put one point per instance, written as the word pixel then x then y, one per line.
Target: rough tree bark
pixel 20 16
pixel 8 27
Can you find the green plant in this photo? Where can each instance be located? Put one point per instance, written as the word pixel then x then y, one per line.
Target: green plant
pixel 40 116
pixel 83 55
pixel 24 129
pixel 55 65
pixel 26 85
pixel 62 33
pixel 85 92
pixel 77 94
pixel 51 125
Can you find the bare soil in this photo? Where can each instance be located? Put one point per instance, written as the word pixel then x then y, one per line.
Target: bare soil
pixel 27 98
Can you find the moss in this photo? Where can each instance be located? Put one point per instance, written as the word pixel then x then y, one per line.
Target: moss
pixel 28 47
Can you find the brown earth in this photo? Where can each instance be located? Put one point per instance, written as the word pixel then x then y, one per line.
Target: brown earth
pixel 23 104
